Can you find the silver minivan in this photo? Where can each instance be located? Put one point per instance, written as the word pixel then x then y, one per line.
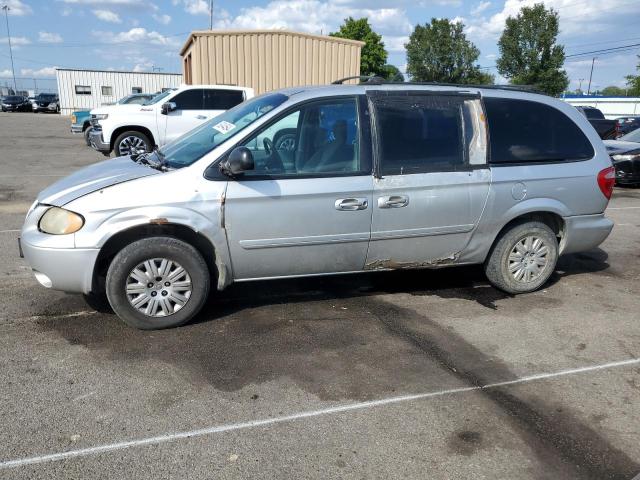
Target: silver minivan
pixel 324 180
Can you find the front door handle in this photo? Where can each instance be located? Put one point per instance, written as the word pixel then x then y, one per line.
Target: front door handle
pixel 351 204
pixel 394 201
pixel 201 117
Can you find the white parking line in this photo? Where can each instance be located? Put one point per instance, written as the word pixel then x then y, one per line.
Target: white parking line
pixel 170 437
pixel 8 231
pixel 621 208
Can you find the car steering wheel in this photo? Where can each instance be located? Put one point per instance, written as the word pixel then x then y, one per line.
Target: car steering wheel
pixel 274 162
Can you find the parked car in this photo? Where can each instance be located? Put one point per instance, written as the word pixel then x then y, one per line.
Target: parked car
pixel 625 154
pixel 15 103
pixel 133 129
pixel 81 119
pixel 380 177
pixel 607 129
pixel 47 102
pixel 627 124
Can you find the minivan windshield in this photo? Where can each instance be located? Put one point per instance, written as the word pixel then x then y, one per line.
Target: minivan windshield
pixel 195 144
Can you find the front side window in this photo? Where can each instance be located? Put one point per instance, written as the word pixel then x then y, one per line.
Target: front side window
pixel 522 131
pixel 319 138
pixel 83 90
pixel 222 99
pixel 192 99
pixel 423 133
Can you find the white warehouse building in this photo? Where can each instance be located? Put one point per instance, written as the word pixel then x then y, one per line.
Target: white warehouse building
pixel 87 89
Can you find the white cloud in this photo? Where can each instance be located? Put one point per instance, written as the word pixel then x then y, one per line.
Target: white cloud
pixel 43 72
pixel 163 19
pixel 138 35
pixel 107 16
pixel 103 2
pixel 143 66
pixel 395 43
pixel 15 41
pixel 592 16
pixel 48 37
pixel 6 73
pixel 66 11
pixel 194 7
pixel 18 7
pixel 481 7
pixel 314 16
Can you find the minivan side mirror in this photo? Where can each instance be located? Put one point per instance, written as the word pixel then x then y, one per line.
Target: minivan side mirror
pixel 168 107
pixel 239 160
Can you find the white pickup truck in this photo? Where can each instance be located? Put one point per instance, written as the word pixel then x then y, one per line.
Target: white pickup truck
pixel 128 129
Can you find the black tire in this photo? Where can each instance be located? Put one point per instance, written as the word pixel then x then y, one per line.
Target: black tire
pixel 148 146
pixel 86 133
pixel 97 302
pixel 140 251
pixel 497 264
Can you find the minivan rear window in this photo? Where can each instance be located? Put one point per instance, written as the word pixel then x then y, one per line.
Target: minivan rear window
pixel 523 131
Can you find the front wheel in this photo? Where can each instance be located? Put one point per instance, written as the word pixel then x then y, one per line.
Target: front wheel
pixel 131 143
pixel 157 282
pixel 523 258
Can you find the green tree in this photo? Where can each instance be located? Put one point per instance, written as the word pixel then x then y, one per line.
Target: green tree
pixel 440 52
pixel 529 54
pixel 373 56
pixel 613 91
pixel 633 82
pixel 392 73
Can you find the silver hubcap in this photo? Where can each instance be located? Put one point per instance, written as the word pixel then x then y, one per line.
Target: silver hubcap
pixel 131 145
pixel 528 259
pixel 158 287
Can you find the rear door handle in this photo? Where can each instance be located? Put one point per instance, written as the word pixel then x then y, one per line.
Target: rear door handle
pixel 394 201
pixel 351 204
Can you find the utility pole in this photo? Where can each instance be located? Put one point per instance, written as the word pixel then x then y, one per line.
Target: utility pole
pixel 591 75
pixel 210 14
pixel 13 72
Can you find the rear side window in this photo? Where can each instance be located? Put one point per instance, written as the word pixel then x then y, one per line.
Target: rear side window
pixel 522 131
pixel 419 134
pixel 593 114
pixel 222 99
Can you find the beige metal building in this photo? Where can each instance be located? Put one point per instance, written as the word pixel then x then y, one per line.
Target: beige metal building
pixel 267 59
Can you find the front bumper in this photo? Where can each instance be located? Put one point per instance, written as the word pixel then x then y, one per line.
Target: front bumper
pixel 76 128
pixel 95 138
pixel 584 232
pixel 627 172
pixel 67 269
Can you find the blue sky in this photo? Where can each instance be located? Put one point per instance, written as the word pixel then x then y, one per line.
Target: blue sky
pixel 148 34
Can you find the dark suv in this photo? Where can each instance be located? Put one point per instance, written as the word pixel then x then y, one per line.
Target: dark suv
pixel 46 102
pixel 16 103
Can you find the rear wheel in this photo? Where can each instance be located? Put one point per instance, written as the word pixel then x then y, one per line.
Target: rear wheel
pixel 157 282
pixel 523 258
pixel 131 142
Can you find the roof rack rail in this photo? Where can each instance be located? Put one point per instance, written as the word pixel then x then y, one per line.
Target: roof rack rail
pixel 371 79
pixel 374 80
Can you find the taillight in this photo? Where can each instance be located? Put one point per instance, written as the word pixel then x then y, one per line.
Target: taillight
pixel 606 181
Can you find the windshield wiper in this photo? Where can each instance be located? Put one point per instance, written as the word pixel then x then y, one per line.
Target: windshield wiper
pixel 160 163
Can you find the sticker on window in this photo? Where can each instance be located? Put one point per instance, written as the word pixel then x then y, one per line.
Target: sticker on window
pixel 224 127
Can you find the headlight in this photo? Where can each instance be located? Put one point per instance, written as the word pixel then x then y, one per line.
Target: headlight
pixel 58 221
pixel 100 116
pixel 73 119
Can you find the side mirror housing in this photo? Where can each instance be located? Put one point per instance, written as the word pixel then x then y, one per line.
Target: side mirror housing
pixel 239 160
pixel 168 107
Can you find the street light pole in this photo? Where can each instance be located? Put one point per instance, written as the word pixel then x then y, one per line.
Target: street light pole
pixel 591 75
pixel 580 87
pixel 211 15
pixel 13 72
